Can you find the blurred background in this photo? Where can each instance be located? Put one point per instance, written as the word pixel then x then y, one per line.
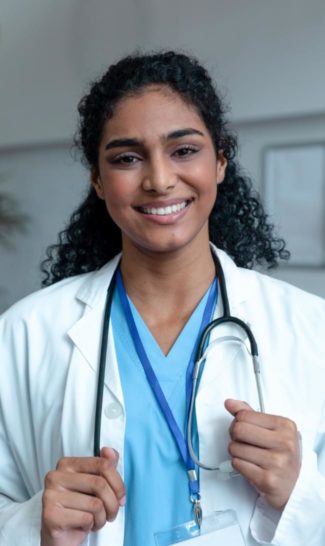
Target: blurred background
pixel 268 59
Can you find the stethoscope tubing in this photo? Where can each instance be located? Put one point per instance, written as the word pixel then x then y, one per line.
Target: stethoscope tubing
pixel 224 467
pixel 225 319
pixel 102 365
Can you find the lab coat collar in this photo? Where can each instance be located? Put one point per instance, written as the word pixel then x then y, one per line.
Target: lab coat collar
pixel 93 290
pixel 238 287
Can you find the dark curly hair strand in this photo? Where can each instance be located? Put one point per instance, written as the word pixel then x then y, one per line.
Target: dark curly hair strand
pixel 237 224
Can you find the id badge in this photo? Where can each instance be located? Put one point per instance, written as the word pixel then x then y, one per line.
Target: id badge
pixel 220 528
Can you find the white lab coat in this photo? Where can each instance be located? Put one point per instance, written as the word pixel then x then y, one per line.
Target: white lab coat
pixel 49 349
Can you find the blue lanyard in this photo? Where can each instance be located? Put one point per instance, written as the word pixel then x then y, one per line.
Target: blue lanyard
pixel 154 383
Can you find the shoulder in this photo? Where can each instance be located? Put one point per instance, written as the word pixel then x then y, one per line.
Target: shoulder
pixel 63 302
pixel 280 293
pixel 251 283
pixel 56 296
pixel 31 323
pixel 288 320
pixel 270 300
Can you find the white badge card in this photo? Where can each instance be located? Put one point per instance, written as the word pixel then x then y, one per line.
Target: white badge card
pixel 220 528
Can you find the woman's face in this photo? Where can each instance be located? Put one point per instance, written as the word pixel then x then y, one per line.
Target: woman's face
pixel 158 171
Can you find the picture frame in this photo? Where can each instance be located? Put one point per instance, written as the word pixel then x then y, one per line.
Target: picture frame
pixel 294 199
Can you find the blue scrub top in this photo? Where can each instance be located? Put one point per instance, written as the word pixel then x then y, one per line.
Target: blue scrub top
pixel 157 493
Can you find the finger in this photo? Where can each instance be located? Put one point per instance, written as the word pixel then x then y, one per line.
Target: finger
pixel 96 485
pixel 280 440
pixel 243 412
pixel 115 480
pixel 234 406
pixel 56 519
pixel 110 454
pixel 247 433
pixel 86 465
pixel 285 438
pixel 266 483
pixel 252 472
pixel 80 502
pixel 263 458
pixel 101 466
pixel 267 421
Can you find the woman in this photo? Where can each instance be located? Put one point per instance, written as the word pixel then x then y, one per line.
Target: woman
pixel 165 188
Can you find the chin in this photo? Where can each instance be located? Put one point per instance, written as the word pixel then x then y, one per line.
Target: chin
pixel 167 247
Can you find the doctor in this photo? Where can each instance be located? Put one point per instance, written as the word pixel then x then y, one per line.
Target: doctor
pixel 165 190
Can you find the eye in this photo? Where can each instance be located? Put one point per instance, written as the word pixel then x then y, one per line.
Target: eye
pixel 125 159
pixel 185 151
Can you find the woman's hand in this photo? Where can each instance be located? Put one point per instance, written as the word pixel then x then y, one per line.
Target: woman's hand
pixel 80 496
pixel 265 450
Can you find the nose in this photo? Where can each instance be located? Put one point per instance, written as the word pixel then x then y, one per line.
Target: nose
pixel 159 177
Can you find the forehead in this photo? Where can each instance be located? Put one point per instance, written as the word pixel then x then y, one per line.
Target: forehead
pixel 151 109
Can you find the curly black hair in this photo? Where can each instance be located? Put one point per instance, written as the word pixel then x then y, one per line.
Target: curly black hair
pixel 237 223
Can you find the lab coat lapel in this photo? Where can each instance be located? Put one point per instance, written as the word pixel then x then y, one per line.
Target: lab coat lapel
pixel 81 384
pixel 86 333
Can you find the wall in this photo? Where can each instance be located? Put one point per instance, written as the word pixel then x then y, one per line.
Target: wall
pixel 49 184
pixel 268 59
pixel 269 56
pixel 255 138
pixel 45 63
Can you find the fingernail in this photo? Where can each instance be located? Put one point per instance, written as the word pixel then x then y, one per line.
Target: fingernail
pixel 123 501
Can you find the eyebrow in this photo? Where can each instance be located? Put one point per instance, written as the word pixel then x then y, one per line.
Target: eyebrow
pixel 132 142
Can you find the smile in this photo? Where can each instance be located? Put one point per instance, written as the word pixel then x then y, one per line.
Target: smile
pixel 164 211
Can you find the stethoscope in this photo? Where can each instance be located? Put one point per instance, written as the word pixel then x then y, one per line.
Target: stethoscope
pixel 203 349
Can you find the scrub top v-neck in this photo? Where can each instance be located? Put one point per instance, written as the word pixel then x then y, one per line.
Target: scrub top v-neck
pixel 154 474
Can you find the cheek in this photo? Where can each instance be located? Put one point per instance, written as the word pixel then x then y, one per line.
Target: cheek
pixel 117 191
pixel 118 200
pixel 210 185
pixel 205 174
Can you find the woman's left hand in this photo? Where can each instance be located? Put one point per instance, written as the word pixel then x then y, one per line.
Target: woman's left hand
pixel 265 450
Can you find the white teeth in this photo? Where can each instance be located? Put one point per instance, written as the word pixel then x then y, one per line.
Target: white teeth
pixel 164 211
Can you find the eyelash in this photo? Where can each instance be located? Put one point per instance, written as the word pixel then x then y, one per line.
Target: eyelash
pixel 127 159
pixel 123 159
pixel 188 149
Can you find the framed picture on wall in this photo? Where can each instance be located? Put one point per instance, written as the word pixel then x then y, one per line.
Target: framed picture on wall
pixel 294 197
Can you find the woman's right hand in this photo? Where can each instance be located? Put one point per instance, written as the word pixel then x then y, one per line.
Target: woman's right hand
pixel 80 496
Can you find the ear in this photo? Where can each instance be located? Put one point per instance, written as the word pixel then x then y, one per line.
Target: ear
pixel 221 166
pixel 97 184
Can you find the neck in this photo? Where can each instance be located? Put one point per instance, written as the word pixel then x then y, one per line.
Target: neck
pixel 166 287
pixel 167 274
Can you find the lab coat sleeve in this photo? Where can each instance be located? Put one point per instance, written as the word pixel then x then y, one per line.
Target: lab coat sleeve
pixel 20 521
pixel 19 515
pixel 302 522
pixel 20 490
